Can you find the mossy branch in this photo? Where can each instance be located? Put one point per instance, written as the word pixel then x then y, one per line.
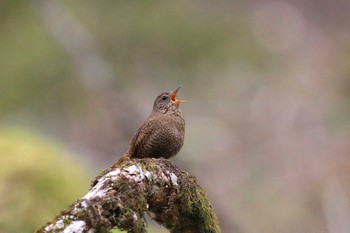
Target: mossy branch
pixel 121 195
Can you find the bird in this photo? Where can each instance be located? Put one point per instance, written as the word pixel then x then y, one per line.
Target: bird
pixel 162 134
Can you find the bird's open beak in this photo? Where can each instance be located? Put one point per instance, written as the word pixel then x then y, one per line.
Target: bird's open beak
pixel 173 98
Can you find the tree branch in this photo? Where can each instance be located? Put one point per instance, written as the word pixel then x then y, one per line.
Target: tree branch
pixel 120 196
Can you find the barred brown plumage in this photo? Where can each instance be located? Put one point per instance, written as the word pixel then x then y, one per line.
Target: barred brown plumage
pixel 162 134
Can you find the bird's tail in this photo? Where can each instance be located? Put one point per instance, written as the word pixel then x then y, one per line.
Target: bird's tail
pixel 125 156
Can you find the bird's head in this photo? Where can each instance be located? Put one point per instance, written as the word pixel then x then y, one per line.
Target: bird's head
pixel 167 102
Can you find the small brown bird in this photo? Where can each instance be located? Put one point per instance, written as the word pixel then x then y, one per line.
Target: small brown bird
pixel 162 134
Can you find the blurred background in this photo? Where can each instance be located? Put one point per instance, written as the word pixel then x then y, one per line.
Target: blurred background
pixel 267 118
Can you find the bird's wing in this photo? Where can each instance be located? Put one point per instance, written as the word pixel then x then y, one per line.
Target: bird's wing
pixel 143 136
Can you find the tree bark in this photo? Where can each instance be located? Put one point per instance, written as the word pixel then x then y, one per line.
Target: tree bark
pixel 121 195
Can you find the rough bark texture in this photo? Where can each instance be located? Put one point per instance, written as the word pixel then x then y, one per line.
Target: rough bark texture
pixel 120 196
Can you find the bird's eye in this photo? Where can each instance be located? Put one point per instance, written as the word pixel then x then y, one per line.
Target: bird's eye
pixel 164 97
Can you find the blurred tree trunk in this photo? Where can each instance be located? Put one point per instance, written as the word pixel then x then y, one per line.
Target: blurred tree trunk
pixel 97 76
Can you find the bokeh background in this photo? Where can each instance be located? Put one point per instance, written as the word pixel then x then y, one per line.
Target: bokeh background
pixel 268 112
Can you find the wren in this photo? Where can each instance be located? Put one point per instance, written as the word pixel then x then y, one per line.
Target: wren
pixel 162 134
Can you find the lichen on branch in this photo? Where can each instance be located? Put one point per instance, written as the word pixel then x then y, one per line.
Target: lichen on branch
pixel 121 195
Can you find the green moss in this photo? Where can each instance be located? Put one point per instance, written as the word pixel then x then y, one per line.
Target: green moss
pixel 67 221
pixel 180 206
pixel 194 210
